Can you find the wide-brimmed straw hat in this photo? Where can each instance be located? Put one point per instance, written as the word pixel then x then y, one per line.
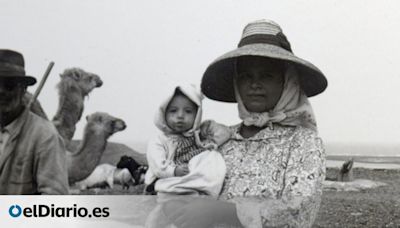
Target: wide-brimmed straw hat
pixel 261 38
pixel 12 67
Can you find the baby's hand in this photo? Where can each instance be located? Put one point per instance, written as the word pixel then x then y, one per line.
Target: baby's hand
pixel 206 131
pixel 181 170
pixel 215 132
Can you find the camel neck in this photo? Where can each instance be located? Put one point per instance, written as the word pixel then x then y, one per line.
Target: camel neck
pixel 93 140
pixel 88 155
pixel 69 111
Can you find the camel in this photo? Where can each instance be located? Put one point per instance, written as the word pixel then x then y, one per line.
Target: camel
pixel 74 86
pixel 100 126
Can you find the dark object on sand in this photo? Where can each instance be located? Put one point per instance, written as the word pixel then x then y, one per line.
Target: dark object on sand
pixel 134 168
pixel 346 172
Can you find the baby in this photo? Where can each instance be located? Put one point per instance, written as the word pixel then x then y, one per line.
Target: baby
pixel 182 158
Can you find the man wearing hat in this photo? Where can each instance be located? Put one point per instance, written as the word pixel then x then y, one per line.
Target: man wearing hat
pixel 32 154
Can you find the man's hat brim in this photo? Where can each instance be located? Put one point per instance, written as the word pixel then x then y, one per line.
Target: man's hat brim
pixel 25 80
pixel 217 82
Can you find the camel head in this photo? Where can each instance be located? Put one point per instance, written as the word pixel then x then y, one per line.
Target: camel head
pixel 86 81
pixel 99 127
pixel 103 123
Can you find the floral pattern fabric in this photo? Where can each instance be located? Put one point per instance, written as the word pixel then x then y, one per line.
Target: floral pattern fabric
pixel 278 163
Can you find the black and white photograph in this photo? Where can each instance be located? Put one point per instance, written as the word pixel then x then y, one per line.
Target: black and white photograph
pixel 199 113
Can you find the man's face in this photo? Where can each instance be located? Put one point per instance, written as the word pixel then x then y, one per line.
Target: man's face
pixel 11 94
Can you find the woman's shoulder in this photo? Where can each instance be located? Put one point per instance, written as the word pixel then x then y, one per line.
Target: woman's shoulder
pixel 273 131
pixel 288 132
pixel 307 138
pixel 305 132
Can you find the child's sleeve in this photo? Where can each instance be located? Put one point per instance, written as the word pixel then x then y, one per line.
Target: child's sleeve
pixel 158 158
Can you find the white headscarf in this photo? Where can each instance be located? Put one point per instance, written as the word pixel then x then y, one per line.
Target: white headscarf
pixel 292 109
pixel 194 95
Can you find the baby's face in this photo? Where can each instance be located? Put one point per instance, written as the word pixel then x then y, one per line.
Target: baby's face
pixel 180 114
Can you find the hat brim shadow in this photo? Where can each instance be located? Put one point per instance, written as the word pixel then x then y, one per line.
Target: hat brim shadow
pixel 217 81
pixel 25 80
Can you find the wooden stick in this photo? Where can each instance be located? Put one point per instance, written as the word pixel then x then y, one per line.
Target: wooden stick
pixel 40 87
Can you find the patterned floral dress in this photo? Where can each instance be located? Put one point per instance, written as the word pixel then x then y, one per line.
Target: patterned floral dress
pixel 279 163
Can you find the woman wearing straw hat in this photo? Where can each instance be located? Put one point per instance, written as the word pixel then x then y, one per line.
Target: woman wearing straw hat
pixel 275 154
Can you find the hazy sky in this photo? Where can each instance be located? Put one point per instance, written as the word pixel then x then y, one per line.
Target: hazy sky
pixel 141 49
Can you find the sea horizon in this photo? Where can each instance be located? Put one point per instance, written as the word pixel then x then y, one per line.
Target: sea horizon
pixel 366 155
pixel 333 149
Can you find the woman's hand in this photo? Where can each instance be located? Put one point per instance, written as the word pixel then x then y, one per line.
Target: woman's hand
pixel 181 170
pixel 202 213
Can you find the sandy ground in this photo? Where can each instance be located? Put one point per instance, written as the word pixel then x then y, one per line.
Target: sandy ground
pixel 378 207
